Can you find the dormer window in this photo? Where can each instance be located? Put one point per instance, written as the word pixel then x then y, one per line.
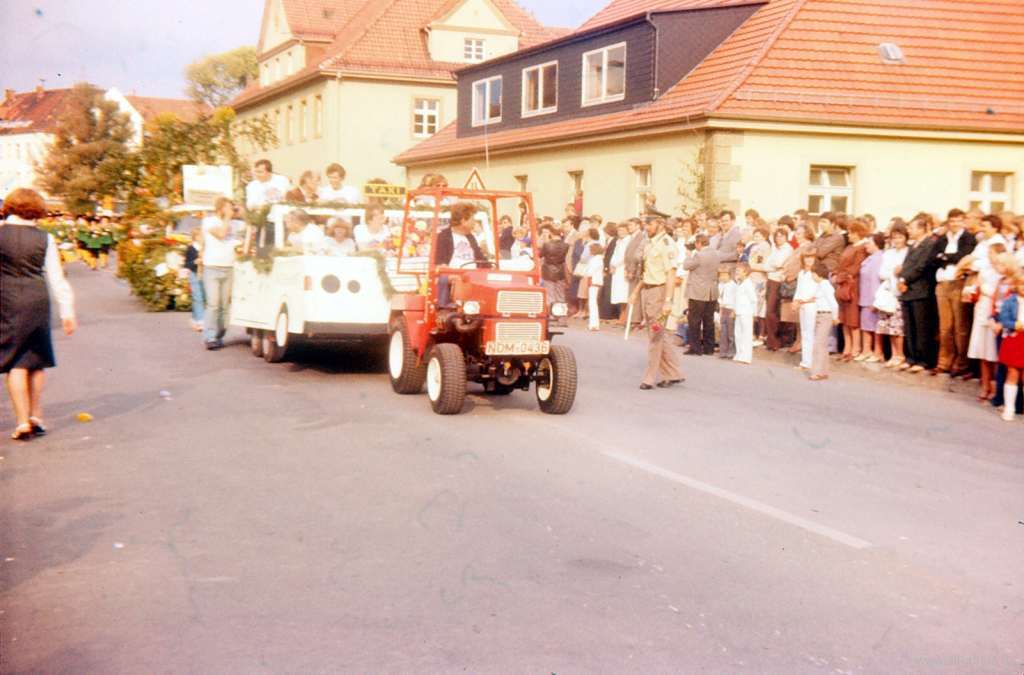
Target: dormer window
pixel 604 75
pixel 473 50
pixel 540 89
pixel 487 101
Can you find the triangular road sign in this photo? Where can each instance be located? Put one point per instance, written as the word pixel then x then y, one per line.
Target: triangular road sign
pixel 474 182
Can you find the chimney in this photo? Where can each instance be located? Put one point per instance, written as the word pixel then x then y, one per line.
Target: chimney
pixel 39 91
pixel 8 94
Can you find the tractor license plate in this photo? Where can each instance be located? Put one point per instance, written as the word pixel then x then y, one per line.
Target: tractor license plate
pixel 517 348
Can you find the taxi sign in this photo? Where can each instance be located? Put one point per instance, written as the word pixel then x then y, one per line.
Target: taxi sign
pixel 379 190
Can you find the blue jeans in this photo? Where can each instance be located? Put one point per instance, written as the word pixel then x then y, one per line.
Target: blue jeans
pixel 195 285
pixel 217 284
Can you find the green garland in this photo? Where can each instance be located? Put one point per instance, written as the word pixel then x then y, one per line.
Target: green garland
pixel 260 218
pixel 266 264
pixel 382 272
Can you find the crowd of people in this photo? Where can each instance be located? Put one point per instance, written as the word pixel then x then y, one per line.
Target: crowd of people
pixel 933 295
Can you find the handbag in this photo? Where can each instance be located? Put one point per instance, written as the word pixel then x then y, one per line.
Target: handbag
pixel 580 270
pixel 885 300
pixel 787 291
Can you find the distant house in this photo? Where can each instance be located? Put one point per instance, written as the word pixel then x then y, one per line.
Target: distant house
pixel 776 105
pixel 28 122
pixel 359 81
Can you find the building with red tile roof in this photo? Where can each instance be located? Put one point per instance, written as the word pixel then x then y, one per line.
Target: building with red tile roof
pixel 798 94
pixel 358 81
pixel 29 120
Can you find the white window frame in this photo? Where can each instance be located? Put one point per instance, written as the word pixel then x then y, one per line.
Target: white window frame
pixel 827 191
pixel 540 109
pixel 604 98
pixel 473 49
pixel 983 198
pixel 478 119
pixel 643 188
pixel 431 117
pixel 318 115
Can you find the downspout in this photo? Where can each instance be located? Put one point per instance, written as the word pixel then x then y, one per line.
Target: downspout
pixel 657 55
pixel 337 112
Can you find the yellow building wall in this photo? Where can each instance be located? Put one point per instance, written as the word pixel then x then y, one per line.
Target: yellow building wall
pixel 365 124
pixel 766 171
pixel 609 178
pixel 891 176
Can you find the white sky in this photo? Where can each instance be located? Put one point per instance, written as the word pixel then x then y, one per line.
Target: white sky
pixel 143 45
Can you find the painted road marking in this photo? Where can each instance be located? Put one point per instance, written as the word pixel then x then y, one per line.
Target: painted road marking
pixel 741 500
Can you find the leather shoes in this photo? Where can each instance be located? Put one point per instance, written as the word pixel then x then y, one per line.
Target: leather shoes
pixel 692 352
pixel 645 387
pixel 668 383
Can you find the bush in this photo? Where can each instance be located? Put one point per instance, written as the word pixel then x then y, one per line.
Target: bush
pixel 137 263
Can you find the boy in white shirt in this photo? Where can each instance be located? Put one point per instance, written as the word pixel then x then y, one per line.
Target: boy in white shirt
pixel 745 308
pixel 594 278
pixel 827 315
pixel 726 313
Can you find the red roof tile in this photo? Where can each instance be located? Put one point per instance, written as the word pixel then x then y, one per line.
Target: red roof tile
pixel 149 107
pixel 32 112
pixel 386 37
pixel 817 61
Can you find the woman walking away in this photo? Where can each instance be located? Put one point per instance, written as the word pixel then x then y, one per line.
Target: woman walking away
pixel 29 262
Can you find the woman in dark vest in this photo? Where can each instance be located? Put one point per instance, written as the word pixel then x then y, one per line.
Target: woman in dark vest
pixel 29 262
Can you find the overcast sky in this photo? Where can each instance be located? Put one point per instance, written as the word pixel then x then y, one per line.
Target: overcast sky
pixel 143 45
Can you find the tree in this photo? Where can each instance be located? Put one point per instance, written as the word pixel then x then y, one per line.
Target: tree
pixel 171 143
pixel 215 80
pixel 89 157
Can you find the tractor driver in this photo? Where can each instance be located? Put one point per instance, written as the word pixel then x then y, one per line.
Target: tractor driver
pixel 457 247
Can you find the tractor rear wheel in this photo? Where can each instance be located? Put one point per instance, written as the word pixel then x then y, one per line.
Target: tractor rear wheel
pixel 406 376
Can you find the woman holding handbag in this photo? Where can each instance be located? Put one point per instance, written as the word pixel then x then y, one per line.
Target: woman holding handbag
pixel 869 283
pixel 886 301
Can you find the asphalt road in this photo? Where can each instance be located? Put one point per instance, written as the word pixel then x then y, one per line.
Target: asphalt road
pixel 301 518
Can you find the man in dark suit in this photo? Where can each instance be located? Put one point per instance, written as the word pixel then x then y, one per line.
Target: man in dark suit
pixel 702 294
pixel 952 244
pixel 457 247
pixel 916 294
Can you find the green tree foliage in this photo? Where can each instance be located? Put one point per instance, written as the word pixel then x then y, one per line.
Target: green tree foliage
pixel 215 80
pixel 89 157
pixel 171 143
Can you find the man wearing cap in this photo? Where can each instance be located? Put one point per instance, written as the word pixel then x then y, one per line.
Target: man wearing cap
pixel 657 284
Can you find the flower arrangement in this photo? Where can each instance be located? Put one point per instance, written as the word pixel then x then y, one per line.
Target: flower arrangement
pixel 152 267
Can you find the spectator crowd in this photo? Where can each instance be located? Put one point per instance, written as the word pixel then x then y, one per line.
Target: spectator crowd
pixel 929 296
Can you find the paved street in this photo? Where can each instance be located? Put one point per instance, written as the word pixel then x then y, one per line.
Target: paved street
pixel 300 518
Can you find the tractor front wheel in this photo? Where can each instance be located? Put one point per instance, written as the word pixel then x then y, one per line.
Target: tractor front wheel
pixel 446 379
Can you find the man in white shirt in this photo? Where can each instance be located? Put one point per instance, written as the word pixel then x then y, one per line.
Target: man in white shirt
pixel 372 232
pixel 266 187
pixel 218 260
pixel 304 235
pixel 337 191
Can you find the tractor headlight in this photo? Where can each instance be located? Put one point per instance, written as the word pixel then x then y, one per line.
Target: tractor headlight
pixel 471 307
pixel 559 309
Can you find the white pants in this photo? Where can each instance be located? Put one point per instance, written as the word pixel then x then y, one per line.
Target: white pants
pixel 808 316
pixel 744 336
pixel 595 316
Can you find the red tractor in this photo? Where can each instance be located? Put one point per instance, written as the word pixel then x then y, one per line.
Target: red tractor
pixel 484 320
